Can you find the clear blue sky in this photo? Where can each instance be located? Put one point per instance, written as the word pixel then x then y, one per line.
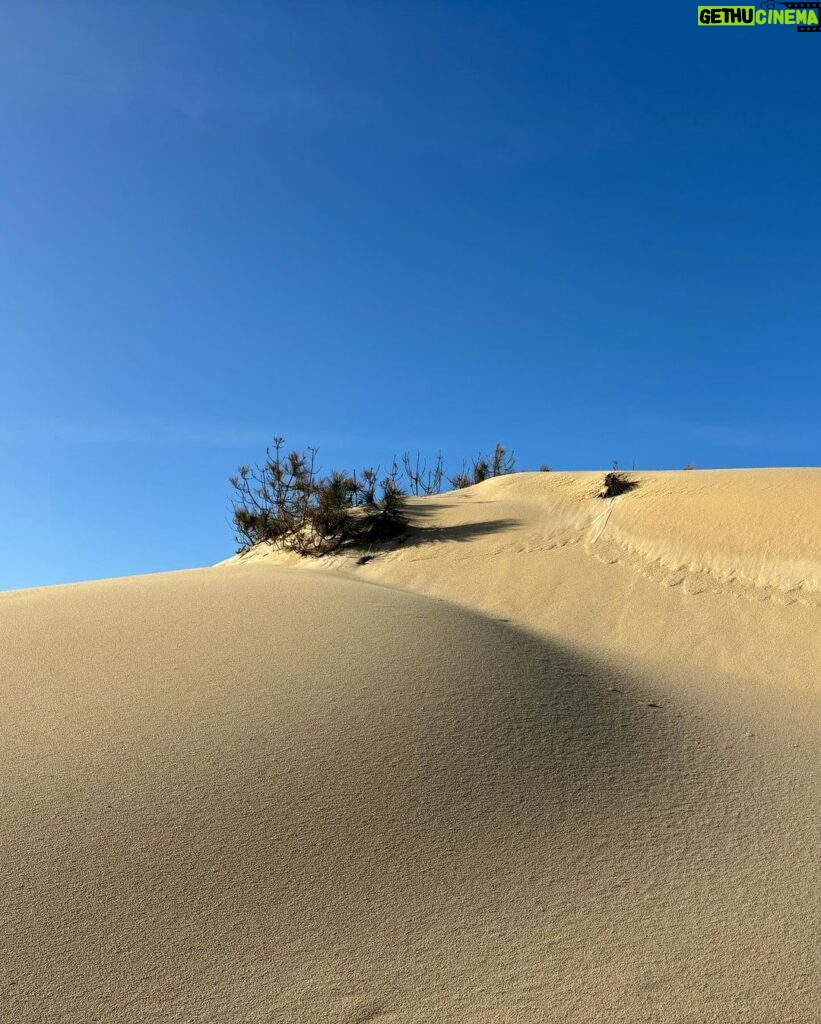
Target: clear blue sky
pixel 590 230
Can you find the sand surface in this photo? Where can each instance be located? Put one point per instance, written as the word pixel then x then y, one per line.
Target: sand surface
pixel 551 759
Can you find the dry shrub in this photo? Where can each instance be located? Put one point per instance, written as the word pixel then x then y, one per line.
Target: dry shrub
pixel 616 483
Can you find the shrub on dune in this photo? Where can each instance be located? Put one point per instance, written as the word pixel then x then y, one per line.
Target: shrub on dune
pixel 616 483
pixel 287 503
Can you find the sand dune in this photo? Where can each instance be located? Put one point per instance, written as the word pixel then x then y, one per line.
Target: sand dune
pixel 583 785
pixel 714 572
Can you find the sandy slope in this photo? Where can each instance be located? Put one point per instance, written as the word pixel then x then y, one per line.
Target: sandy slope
pixel 584 787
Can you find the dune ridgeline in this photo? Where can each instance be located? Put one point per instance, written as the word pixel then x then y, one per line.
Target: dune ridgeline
pixel 547 758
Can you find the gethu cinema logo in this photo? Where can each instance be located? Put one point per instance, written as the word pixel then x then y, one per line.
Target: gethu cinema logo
pixel 805 16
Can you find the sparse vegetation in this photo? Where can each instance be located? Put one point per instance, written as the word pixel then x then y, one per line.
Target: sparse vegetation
pixel 288 502
pixel 421 480
pixel 482 468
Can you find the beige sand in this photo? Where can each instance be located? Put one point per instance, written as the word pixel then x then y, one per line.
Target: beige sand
pixel 582 787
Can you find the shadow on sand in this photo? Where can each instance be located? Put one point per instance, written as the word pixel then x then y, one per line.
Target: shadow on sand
pixel 422 531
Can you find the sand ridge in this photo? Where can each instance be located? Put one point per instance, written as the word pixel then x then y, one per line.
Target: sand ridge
pixel 718 570
pixel 755 533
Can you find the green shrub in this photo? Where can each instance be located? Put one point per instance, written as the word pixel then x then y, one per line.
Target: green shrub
pixel 285 502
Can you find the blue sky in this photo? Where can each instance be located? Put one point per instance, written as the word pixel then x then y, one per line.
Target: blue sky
pixel 590 231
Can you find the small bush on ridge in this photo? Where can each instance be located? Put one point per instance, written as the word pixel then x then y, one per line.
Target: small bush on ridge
pixel 286 502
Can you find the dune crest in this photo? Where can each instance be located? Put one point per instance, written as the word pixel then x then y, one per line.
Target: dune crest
pixel 751 532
